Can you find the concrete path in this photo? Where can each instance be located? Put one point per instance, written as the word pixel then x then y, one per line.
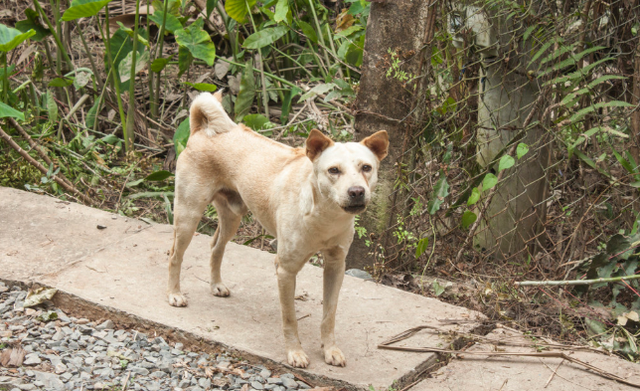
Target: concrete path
pixel 513 373
pixel 124 266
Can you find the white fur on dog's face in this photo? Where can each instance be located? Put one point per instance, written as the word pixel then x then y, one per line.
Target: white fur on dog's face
pixel 342 167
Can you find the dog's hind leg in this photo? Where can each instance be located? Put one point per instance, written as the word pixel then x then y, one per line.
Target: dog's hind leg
pixel 230 210
pixel 189 206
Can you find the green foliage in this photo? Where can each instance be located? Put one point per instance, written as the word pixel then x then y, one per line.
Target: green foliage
pixel 8 111
pixel 265 37
pixel 10 37
pixel 440 192
pixel 506 162
pixel 621 257
pixel 33 23
pixel 197 41
pixel 181 136
pixel 247 92
pixel 489 182
pixel 83 9
pixel 172 23
pixel 238 9
pixel 468 218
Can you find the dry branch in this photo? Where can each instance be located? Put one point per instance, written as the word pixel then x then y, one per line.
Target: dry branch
pixel 408 333
pixel 58 178
pixel 577 282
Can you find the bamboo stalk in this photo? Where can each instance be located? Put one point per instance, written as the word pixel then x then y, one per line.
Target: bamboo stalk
pixel 577 282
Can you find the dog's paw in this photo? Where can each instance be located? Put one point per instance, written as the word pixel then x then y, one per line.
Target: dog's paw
pixel 220 290
pixel 333 356
pixel 297 358
pixel 177 300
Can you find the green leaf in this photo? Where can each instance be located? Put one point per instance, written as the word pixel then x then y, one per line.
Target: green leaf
pixel 81 79
pixel 265 37
pixel 489 181
pixel 286 104
pixel 247 92
pixel 121 45
pixel 33 22
pixel 421 246
pixel 132 33
pixel 83 9
pixel 437 288
pixel 111 139
pixel 8 111
pixel 506 162
pixel 134 183
pixel 521 150
pixel 540 52
pixel 92 114
pixel 570 61
pixel 528 32
pixel 615 103
pixel 9 71
pixel 468 218
pixel 595 327
pixel 197 41
pixel 158 64
pixel 440 191
pixel 10 37
pixel 282 9
pixel 60 82
pixel 255 121
pixel 308 31
pixel 124 69
pixel 474 197
pixel 181 136
pixel 158 176
pixel 171 23
pixel 211 5
pixel 238 9
pixel 317 90
pixel 185 58
pixel 52 107
pixel 202 86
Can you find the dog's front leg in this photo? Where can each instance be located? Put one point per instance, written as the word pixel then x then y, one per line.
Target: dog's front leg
pixel 334 265
pixel 287 271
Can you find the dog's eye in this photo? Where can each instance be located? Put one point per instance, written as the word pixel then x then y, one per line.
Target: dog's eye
pixel 366 168
pixel 334 170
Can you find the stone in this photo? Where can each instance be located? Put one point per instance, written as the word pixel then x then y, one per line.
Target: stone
pixel 265 373
pixel 48 380
pixel 106 325
pixel 289 383
pixel 32 359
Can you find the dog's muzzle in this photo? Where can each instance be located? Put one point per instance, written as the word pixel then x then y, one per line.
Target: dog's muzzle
pixel 357 202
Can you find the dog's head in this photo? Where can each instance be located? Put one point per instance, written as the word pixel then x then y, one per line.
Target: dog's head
pixel 347 173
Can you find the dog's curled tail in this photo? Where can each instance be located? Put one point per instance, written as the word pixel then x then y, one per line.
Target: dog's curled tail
pixel 208 114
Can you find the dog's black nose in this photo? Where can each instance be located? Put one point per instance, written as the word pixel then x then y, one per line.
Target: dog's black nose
pixel 356 192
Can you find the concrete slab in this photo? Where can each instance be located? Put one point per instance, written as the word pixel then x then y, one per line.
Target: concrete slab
pixel 124 266
pixel 512 373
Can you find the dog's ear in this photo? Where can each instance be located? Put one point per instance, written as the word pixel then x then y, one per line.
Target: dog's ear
pixel 316 143
pixel 218 96
pixel 378 143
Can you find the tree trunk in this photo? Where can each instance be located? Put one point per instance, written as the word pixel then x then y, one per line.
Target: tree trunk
pixel 515 214
pixel 385 100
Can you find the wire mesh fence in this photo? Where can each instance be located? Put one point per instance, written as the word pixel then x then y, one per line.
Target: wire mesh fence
pixel 530 144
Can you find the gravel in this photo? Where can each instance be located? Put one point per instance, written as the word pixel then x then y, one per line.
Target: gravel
pixel 71 353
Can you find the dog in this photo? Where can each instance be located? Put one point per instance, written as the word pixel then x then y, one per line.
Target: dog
pixel 305 197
